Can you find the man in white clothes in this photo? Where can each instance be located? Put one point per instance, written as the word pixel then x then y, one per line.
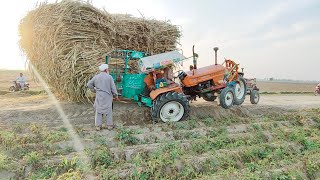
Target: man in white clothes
pixel 103 85
pixel 21 80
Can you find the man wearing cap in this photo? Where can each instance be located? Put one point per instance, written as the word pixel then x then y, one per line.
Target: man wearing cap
pixel 103 85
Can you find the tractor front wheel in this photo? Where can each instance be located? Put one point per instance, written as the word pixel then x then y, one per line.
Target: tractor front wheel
pixel 12 89
pixel 170 107
pixel 227 97
pixel 240 91
pixel 254 97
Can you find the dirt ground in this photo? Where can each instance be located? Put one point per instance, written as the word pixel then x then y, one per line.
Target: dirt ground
pixel 21 107
pixel 140 135
pixel 25 107
pixel 6 76
pixel 268 86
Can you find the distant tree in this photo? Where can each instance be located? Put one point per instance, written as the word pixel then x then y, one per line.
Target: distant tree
pixel 271 79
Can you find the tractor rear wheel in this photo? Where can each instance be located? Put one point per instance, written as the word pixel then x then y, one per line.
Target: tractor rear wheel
pixel 208 96
pixel 240 91
pixel 254 97
pixel 171 106
pixel 227 97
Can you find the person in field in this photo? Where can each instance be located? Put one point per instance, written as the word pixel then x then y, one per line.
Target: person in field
pixel 103 85
pixel 21 80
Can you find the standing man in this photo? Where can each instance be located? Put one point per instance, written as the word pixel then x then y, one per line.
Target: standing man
pixel 103 85
pixel 21 80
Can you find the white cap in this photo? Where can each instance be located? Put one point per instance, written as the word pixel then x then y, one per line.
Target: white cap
pixel 103 67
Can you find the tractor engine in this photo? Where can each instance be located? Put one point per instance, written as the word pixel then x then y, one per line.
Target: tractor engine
pixel 198 89
pixel 205 85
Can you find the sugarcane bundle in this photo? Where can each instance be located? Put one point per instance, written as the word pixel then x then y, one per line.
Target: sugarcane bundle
pixel 66 41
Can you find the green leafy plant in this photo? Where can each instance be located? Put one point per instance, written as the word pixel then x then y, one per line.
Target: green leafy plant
pixel 7 139
pixel 67 165
pixel 71 174
pixel 101 157
pixel 126 136
pixel 56 136
pixel 3 161
pixel 32 158
pixel 208 121
pixel 313 167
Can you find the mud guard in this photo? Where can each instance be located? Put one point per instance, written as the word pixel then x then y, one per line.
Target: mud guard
pixel 171 88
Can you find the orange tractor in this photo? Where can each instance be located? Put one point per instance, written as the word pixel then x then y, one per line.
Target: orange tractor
pixel 168 100
pixel 209 81
pixel 170 103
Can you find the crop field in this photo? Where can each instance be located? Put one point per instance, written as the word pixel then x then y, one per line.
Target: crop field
pixel 277 139
pixel 286 87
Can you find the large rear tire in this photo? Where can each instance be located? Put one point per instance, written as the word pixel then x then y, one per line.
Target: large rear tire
pixel 227 97
pixel 208 96
pixel 170 107
pixel 240 91
pixel 254 97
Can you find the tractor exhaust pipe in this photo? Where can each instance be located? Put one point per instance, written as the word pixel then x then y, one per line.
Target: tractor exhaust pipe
pixel 216 54
pixel 195 56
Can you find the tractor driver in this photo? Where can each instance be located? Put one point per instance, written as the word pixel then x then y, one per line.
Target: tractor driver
pixel 150 80
pixel 150 85
pixel 168 75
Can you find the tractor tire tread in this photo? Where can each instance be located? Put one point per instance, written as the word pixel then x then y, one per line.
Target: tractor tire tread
pixel 252 95
pixel 223 94
pixel 241 100
pixel 167 97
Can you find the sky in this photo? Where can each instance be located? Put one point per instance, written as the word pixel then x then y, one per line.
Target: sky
pixel 275 38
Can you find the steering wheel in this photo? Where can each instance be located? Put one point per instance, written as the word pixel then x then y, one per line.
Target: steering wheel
pixel 180 73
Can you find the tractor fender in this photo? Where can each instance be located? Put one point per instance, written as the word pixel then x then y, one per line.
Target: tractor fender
pixel 171 88
pixel 232 83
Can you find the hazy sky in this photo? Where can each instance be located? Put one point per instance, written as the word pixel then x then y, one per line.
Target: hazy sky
pixel 272 38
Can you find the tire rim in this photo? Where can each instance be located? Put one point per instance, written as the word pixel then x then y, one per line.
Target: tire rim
pixel 239 90
pixel 256 97
pixel 228 98
pixel 172 111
